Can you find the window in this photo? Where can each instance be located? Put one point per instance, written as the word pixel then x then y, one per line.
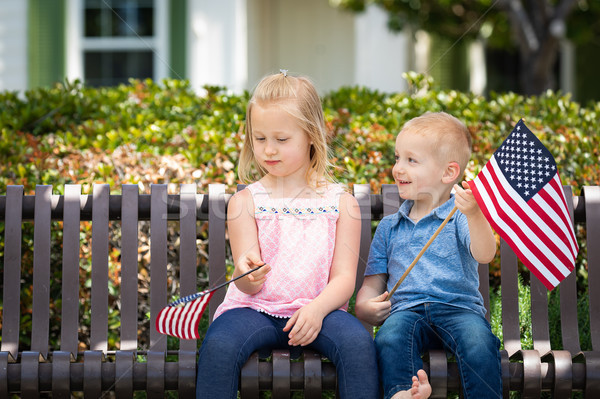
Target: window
pixel 114 40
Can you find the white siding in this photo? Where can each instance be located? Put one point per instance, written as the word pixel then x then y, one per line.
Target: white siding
pixel 306 37
pixel 217 44
pixel 381 55
pixel 13 45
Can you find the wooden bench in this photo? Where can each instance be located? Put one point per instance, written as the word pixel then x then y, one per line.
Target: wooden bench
pixel 32 368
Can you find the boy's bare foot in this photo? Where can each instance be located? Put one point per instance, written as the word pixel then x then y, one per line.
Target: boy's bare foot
pixel 421 389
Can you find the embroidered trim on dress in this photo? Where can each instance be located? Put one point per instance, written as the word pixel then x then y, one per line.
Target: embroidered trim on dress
pixel 261 210
pixel 259 310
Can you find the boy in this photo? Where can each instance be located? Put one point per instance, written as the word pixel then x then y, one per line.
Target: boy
pixel 438 304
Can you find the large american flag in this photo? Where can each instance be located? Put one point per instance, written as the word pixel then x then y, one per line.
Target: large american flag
pixel 181 318
pixel 521 195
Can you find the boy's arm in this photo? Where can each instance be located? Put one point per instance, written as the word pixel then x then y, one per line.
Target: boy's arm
pixel 483 242
pixel 371 305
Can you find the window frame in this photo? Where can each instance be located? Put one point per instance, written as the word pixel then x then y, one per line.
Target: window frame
pixel 78 44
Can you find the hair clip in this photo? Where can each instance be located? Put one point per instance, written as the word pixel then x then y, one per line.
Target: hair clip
pixel 284 72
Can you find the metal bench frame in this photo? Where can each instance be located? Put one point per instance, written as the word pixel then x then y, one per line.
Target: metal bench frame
pixel 38 368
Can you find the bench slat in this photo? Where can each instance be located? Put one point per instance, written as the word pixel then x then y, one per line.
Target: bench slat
pixel 4 357
pixel 281 373
pixel 539 315
pixel 217 217
pixel 592 225
pixel 156 375
pixel 187 282
pixel 187 249
pixel 483 270
pixel 568 298
pixel 11 311
pixel 362 192
pixel 390 199
pixel 70 270
pixel 124 361
pixel 313 387
pixel 30 365
pixel 129 269
pixel 99 292
pixel 40 325
pixel 510 297
pixel 158 262
pixel 249 381
pixel 61 375
pixel 92 372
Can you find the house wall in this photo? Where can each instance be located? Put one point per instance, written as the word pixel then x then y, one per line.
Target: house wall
pixel 216 44
pixel 381 56
pixel 13 45
pixel 306 37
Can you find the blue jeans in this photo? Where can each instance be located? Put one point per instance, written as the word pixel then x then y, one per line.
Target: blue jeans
pixel 237 333
pixel 407 334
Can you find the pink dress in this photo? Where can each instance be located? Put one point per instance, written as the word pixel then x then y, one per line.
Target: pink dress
pixel 297 239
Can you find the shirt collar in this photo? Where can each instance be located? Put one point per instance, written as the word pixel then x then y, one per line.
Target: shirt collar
pixel 440 212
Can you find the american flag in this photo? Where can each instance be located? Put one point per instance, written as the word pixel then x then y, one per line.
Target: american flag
pixel 181 318
pixel 521 195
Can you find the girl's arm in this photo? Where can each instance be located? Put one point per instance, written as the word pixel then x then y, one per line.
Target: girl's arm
pixel 371 305
pixel 305 324
pixel 243 239
pixel 483 242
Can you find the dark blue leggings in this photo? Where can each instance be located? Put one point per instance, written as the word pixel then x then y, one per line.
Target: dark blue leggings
pixel 237 333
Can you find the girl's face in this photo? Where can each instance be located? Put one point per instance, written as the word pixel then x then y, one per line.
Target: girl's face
pixel 417 171
pixel 280 145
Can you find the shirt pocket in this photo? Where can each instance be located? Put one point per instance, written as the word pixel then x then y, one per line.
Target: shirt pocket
pixel 445 245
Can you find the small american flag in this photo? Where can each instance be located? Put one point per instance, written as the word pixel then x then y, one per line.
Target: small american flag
pixel 521 195
pixel 181 318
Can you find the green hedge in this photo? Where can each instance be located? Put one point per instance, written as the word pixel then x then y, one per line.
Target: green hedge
pixel 50 135
pixel 148 132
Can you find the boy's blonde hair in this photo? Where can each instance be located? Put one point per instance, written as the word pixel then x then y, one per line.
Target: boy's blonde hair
pixel 450 138
pixel 298 96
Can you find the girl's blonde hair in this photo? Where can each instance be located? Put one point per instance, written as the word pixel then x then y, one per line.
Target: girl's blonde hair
pixel 298 96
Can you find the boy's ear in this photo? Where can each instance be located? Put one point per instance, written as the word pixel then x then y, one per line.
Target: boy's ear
pixel 451 173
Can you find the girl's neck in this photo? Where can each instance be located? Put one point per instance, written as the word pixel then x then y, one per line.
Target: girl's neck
pixel 281 187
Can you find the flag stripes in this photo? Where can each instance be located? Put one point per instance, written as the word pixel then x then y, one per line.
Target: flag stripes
pixel 538 230
pixel 181 320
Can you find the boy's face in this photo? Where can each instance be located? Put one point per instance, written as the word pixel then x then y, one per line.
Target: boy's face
pixel 418 172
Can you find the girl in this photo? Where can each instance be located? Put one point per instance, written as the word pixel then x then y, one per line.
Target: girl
pixel 305 230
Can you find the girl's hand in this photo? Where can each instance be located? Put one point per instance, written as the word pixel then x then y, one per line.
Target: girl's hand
pixel 305 325
pixel 465 200
pixel 374 310
pixel 254 281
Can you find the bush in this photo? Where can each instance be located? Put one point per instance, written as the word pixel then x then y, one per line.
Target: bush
pixel 148 132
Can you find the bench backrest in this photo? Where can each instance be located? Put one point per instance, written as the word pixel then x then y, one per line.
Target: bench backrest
pixel 189 208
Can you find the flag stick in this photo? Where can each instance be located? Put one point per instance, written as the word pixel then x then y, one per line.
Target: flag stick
pixel 191 297
pixel 421 253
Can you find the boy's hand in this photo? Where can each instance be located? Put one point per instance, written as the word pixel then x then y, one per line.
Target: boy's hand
pixel 483 241
pixel 305 324
pixel 465 200
pixel 374 310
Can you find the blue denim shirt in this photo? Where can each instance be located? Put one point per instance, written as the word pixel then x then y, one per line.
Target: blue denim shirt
pixel 446 273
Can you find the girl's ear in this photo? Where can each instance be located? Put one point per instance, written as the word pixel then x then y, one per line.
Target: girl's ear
pixel 451 173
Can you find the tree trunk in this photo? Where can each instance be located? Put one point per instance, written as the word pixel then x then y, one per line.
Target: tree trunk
pixel 537 67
